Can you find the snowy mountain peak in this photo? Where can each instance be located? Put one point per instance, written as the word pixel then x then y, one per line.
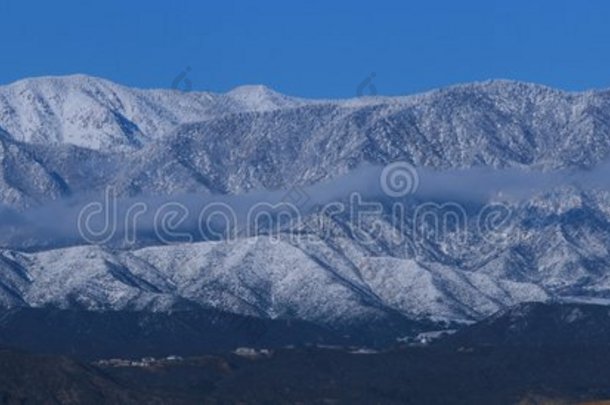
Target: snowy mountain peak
pixel 260 97
pixel 250 89
pixel 183 143
pixel 98 114
pixel 56 82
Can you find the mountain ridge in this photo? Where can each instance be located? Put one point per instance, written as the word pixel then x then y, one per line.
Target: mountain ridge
pixel 255 140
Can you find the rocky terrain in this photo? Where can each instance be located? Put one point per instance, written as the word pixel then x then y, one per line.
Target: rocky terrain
pixel 67 140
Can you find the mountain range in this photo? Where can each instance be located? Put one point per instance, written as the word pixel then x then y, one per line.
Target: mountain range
pixel 67 140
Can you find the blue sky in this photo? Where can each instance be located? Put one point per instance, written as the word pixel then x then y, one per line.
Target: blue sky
pixel 310 48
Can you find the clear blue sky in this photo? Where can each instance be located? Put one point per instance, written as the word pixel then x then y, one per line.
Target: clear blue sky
pixel 309 48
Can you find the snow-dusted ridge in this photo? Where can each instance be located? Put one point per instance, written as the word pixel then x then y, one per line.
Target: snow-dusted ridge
pixel 77 135
pixel 254 276
pixel 96 113
pixel 82 134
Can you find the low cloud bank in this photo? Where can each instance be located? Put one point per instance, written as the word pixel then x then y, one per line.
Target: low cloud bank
pixel 111 220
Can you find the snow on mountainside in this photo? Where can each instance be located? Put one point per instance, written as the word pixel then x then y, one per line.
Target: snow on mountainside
pixel 77 135
pixel 98 114
pixel 164 141
pixel 254 276
pixel 553 250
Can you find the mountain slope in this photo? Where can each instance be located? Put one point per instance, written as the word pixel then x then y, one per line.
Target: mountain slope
pixel 27 378
pixel 259 277
pixel 98 114
pixel 542 325
pixel 67 140
pixel 164 141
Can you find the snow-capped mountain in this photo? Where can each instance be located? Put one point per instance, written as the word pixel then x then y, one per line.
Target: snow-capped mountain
pixel 97 114
pixel 76 136
pixel 81 134
pixel 256 276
